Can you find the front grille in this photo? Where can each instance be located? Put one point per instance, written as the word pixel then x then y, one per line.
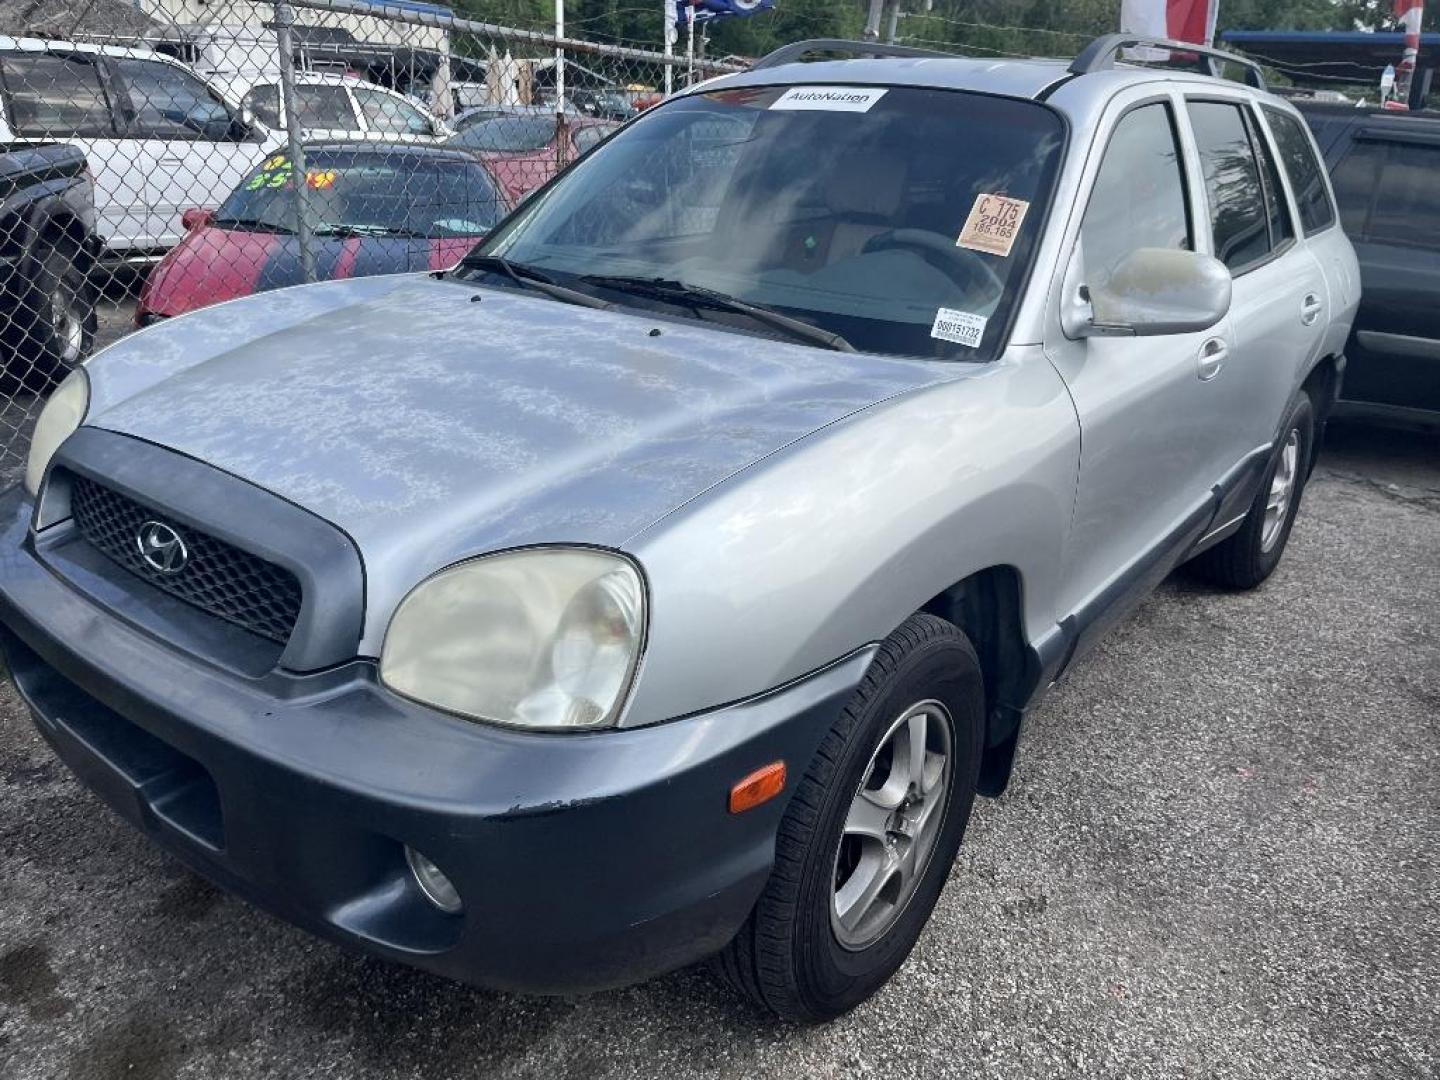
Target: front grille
pixel 216 577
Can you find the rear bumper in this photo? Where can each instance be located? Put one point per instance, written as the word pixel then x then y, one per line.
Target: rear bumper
pixel 583 861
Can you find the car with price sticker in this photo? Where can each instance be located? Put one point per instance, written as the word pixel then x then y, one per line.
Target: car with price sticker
pixel 665 580
pixel 378 208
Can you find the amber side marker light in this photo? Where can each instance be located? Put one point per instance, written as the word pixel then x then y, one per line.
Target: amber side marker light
pixel 758 788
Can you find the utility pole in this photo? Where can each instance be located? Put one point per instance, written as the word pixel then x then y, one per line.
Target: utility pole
pixel 872 21
pixel 295 138
pixel 671 16
pixel 690 46
pixel 559 59
pixel 894 22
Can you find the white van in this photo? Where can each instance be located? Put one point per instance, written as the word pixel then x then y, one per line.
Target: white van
pixel 159 139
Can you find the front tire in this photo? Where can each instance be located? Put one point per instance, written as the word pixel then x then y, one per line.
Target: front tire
pixel 62 331
pixel 1247 558
pixel 870 833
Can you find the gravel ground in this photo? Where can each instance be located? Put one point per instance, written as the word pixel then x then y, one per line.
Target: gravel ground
pixel 1217 859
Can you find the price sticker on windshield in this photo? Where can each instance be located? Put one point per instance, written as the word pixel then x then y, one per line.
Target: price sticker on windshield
pixel 961 327
pixel 993 224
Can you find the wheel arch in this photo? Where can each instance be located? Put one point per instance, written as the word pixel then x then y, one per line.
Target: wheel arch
pixel 988 605
pixel 1322 384
pixel 68 227
pixel 52 223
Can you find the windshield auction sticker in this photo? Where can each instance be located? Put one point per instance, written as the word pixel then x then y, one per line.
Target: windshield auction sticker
pixel 993 224
pixel 828 98
pixel 961 327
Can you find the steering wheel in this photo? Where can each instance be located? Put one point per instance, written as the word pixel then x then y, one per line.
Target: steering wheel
pixel 945 255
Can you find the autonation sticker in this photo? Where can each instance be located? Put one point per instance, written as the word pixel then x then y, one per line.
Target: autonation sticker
pixel 829 98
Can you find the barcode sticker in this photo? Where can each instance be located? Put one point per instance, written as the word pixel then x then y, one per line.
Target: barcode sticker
pixel 961 327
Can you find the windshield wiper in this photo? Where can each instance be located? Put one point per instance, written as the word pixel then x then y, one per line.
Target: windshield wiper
pixel 368 230
pixel 529 278
pixel 236 224
pixel 698 295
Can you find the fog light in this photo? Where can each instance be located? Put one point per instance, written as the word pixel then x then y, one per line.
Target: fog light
pixel 433 882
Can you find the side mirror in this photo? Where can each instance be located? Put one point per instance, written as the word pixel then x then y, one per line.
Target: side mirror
pixel 1152 292
pixel 196 218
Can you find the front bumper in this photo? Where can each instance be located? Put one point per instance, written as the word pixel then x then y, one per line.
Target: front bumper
pixel 584 861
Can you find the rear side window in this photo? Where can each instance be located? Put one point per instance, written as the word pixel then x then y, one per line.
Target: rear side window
pixel 1239 215
pixel 509 134
pixel 55 96
pixel 1306 173
pixel 1406 209
pixel 587 137
pixel 391 116
pixel 325 107
pixel 1139 195
pixel 264 102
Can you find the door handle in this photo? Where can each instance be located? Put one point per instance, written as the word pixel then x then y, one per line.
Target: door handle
pixel 1310 309
pixel 1213 355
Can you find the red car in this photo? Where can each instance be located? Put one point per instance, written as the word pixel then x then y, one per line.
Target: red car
pixel 525 150
pixel 378 208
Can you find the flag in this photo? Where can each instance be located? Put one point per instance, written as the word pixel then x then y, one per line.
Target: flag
pixel 1411 14
pixel 715 9
pixel 1178 20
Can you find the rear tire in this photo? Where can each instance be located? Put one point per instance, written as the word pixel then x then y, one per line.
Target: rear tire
pixel 814 947
pixel 1247 558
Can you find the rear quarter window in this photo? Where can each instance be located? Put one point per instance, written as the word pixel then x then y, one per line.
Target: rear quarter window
pixel 1304 170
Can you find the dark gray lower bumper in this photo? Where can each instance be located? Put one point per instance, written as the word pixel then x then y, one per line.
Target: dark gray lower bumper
pixel 584 861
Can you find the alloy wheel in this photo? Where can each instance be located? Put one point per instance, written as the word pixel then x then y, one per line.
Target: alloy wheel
pixel 890 829
pixel 1282 491
pixel 67 318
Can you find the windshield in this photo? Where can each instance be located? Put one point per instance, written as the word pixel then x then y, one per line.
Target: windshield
pixel 508 134
pixel 384 192
pixel 901 219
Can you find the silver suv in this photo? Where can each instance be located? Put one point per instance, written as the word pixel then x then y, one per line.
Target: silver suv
pixel 667 579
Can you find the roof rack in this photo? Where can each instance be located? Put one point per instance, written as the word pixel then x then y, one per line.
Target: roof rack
pixel 1100 55
pixel 798 50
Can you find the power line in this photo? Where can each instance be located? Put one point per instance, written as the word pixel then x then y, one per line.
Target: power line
pixel 957 46
pixel 1072 34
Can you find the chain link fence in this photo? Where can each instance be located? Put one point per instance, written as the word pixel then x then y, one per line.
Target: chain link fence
pixel 167 155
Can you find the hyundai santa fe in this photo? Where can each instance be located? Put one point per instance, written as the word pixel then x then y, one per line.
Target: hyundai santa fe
pixel 665 581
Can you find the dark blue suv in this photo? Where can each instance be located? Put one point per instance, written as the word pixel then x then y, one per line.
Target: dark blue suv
pixel 1385 168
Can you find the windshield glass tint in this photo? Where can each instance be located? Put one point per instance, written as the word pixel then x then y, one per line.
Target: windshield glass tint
pixel 395 193
pixel 508 134
pixel 848 219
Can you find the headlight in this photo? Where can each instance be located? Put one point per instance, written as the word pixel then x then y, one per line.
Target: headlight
pixel 542 638
pixel 63 413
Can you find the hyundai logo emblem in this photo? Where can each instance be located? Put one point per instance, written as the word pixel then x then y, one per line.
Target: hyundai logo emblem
pixel 162 547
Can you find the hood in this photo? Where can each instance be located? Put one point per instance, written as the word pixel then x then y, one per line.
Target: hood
pixel 432 420
pixel 212 265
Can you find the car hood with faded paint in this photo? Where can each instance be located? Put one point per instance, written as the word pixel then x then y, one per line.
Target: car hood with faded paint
pixel 433 419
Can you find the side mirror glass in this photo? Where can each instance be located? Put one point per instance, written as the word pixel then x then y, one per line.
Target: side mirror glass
pixel 1156 291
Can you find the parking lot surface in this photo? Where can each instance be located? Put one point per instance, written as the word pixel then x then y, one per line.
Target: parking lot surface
pixel 1218 858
